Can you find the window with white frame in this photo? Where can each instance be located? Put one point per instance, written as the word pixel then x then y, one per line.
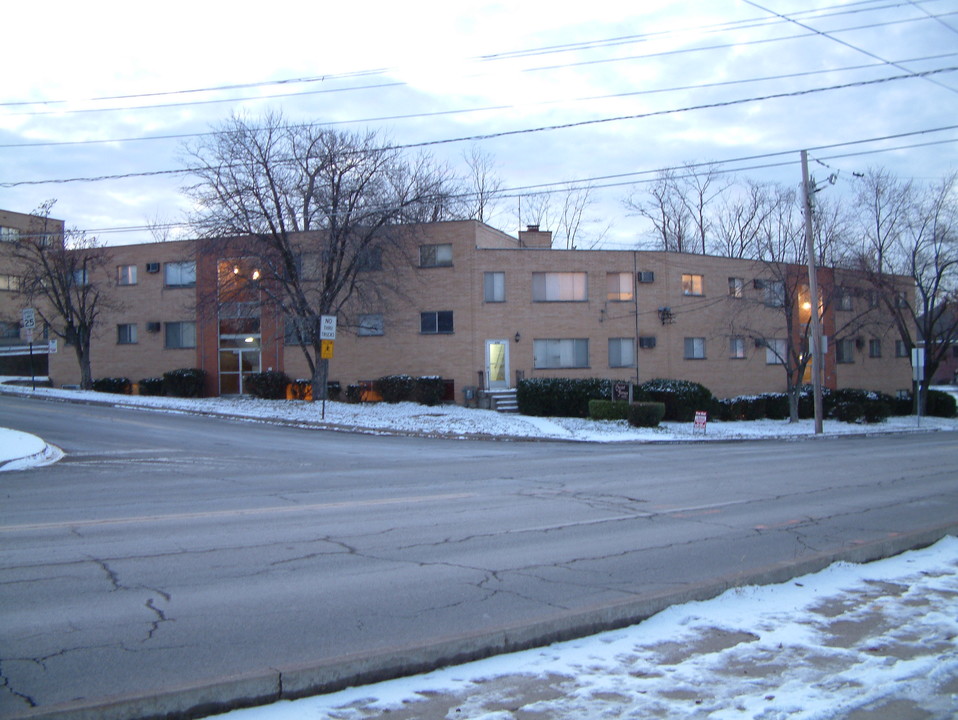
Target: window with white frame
pixel 9 283
pixel 775 349
pixel 494 287
pixel 619 286
pixel 179 274
pixel 370 324
pixel 560 353
pixel 180 335
pixel 126 275
pixel 693 284
pixel 9 234
pixel 126 334
pixel 694 348
pixel 736 347
pixel 435 255
pixel 775 293
pixel 560 287
pixel 874 348
pixel 622 352
pixel 736 287
pixel 433 323
pixel 845 351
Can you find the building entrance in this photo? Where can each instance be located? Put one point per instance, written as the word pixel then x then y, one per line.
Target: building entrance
pixel 236 363
pixel 497 364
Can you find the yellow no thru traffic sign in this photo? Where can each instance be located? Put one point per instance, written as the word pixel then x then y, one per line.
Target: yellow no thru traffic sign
pixel 326 349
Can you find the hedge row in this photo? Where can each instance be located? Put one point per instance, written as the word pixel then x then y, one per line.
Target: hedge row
pixel 426 390
pixel 185 382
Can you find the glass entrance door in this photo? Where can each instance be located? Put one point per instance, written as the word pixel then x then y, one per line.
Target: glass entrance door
pixel 236 364
pixel 497 364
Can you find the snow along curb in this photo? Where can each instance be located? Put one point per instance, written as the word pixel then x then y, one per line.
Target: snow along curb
pixel 289 683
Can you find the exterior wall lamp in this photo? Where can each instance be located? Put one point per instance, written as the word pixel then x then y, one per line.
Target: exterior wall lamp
pixel 518 337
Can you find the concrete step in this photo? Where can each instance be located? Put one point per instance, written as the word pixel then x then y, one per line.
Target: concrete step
pixel 504 401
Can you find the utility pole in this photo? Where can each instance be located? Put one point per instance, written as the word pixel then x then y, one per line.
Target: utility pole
pixel 816 329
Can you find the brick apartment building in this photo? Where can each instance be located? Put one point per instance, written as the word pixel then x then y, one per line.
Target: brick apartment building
pixel 17 357
pixel 483 309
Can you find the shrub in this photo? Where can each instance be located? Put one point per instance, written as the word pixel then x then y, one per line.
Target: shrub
pixel 429 390
pixel 184 382
pixel 354 393
pixel 395 388
pixel 151 386
pixel 843 404
pixel 940 404
pixel 119 385
pixel 646 414
pixel 681 397
pixel 848 411
pixel 268 385
pixel 560 397
pixel 608 410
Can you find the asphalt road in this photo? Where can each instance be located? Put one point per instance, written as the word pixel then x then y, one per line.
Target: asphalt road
pixel 173 551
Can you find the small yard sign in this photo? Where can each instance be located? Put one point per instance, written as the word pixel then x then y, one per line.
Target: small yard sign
pixel 701 417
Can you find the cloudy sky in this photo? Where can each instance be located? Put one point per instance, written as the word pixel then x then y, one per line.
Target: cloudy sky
pixel 96 101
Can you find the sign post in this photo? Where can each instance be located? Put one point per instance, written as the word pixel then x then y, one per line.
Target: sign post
pixel 28 319
pixel 327 334
pixel 918 375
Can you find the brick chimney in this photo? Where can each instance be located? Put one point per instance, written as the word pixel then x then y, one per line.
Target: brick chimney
pixel 533 237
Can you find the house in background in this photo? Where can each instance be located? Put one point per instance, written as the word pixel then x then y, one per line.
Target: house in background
pixel 19 356
pixel 483 309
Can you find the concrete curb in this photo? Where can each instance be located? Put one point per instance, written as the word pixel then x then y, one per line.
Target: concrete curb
pixel 286 683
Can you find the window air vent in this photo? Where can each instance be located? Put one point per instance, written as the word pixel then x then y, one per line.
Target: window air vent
pixel 758 284
pixel 647 341
pixel 153 327
pixel 153 267
pixel 646 276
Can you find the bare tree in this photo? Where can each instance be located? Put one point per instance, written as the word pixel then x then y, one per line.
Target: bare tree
pixel 485 184
pixel 321 211
pixel 664 207
pixel 919 240
pixel 742 220
pixel 566 212
pixel 65 277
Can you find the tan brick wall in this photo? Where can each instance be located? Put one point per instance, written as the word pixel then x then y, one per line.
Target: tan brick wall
pixel 460 356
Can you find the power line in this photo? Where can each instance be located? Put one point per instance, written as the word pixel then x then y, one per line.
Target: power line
pixel 872 6
pixel 488 108
pixel 526 131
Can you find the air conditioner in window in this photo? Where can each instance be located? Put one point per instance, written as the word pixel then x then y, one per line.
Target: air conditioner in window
pixel 153 327
pixel 758 284
pixel 153 267
pixel 759 343
pixel 647 342
pixel 646 276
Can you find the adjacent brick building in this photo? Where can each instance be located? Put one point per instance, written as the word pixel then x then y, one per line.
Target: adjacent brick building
pixel 483 309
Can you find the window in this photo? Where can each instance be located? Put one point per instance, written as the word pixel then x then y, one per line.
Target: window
pixel 845 351
pixel 9 283
pixel 9 234
pixel 180 335
pixel 775 293
pixel 435 255
pixel 901 299
pixel 10 330
pixel 901 349
pixel 81 277
pixel 370 324
pixel 619 286
pixel 874 348
pixel 494 287
pixel 126 275
pixel 736 347
pixel 369 259
pixel 567 353
pixel 736 287
pixel 775 350
pixel 693 284
pixel 432 323
pixel 559 287
pixel 874 299
pixel 179 274
pixel 694 348
pixel 844 297
pixel 126 334
pixel 621 352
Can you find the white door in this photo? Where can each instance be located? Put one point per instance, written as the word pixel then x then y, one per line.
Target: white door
pixel 497 364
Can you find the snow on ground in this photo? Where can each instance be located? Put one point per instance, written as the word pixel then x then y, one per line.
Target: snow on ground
pixel 459 422
pixel 851 641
